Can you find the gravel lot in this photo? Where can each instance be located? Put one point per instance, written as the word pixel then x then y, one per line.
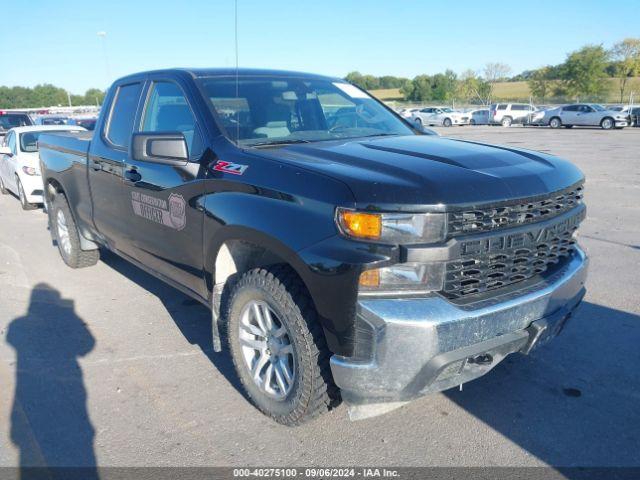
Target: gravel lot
pixel 117 368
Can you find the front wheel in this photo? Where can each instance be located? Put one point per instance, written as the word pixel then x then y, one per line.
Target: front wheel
pixel 67 237
pixel 447 122
pixel 607 123
pixel 3 189
pixel 23 197
pixel 278 347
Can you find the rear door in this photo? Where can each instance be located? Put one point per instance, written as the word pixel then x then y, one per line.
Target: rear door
pixel 163 200
pixel 569 114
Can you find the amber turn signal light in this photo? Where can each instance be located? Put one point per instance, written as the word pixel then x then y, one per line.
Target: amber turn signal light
pixel 361 225
pixel 370 278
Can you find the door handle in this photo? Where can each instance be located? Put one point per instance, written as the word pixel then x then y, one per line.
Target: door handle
pixel 132 175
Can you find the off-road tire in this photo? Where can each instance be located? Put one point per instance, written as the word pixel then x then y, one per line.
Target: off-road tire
pixel 22 196
pixel 76 257
pixel 313 392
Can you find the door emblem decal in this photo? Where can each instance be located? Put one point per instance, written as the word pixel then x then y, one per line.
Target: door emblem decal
pixel 228 167
pixel 172 214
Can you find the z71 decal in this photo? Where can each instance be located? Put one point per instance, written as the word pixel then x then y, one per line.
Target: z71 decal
pixel 228 167
pixel 171 213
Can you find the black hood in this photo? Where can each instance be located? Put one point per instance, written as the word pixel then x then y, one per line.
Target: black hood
pixel 428 170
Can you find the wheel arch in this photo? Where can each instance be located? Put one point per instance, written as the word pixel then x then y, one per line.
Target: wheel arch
pixel 239 249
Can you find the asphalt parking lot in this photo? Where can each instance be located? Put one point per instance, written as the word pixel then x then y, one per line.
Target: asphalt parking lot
pixel 109 365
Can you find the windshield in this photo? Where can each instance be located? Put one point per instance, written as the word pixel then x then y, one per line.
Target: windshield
pixel 274 110
pixel 446 110
pixel 11 121
pixel 598 108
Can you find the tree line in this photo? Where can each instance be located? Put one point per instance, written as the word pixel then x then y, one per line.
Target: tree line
pixel 46 95
pixel 581 76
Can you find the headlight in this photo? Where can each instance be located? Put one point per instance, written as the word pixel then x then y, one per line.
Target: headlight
pixel 403 277
pixel 393 227
pixel 30 171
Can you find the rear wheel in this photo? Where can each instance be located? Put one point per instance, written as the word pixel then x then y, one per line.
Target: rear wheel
pixel 3 190
pixel 66 235
pixel 555 122
pixel 506 121
pixel 607 123
pixel 23 197
pixel 278 347
pixel 447 122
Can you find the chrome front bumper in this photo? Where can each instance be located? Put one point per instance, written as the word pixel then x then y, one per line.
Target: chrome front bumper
pixel 425 345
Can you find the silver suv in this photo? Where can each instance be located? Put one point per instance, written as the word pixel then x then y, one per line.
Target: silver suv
pixel 506 114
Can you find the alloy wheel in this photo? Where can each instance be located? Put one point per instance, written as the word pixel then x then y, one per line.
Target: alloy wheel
pixel 63 232
pixel 267 349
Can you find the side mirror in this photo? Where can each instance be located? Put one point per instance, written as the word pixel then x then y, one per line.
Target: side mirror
pixel 160 147
pixel 4 150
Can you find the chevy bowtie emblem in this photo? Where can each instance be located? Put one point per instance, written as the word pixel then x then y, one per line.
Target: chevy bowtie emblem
pixel 228 167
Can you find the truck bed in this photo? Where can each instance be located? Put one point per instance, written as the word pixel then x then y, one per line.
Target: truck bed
pixel 76 143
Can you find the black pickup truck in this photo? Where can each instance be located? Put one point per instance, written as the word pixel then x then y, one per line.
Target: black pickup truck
pixel 335 245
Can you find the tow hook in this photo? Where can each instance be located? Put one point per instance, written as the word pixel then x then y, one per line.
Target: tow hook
pixel 485 359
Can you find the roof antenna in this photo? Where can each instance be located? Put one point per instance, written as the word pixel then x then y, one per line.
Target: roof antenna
pixel 237 75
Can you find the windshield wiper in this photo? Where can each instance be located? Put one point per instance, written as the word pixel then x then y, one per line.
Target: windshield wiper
pixel 381 135
pixel 278 142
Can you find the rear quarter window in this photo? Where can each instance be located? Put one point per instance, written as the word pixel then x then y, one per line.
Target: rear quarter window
pixel 123 114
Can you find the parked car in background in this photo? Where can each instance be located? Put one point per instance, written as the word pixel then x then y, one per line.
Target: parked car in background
pixel 634 117
pixel 9 120
pixel 407 112
pixel 444 116
pixel 586 114
pixel 506 114
pixel 19 163
pixel 52 120
pixel 88 123
pixel 479 117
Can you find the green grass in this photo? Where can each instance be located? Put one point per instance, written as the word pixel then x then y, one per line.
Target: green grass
pixel 520 91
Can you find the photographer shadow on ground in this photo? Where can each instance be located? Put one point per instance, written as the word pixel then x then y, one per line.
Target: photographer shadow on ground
pixel 50 424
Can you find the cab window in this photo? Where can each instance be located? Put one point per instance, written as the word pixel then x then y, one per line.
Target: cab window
pixel 168 111
pixel 122 115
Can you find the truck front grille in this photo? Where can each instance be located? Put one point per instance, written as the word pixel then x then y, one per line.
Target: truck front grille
pixel 509 215
pixel 501 261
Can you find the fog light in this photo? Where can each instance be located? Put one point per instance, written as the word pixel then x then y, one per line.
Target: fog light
pixel 419 277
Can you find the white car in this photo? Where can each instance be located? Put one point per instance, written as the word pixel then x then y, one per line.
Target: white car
pixel 506 114
pixel 407 112
pixel 444 116
pixel 586 114
pixel 20 165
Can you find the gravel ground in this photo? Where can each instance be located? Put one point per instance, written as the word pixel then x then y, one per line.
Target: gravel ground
pixel 109 365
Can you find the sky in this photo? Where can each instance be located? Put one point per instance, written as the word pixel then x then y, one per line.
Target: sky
pixel 56 41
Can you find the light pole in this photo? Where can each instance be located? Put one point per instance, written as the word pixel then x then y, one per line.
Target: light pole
pixel 103 35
